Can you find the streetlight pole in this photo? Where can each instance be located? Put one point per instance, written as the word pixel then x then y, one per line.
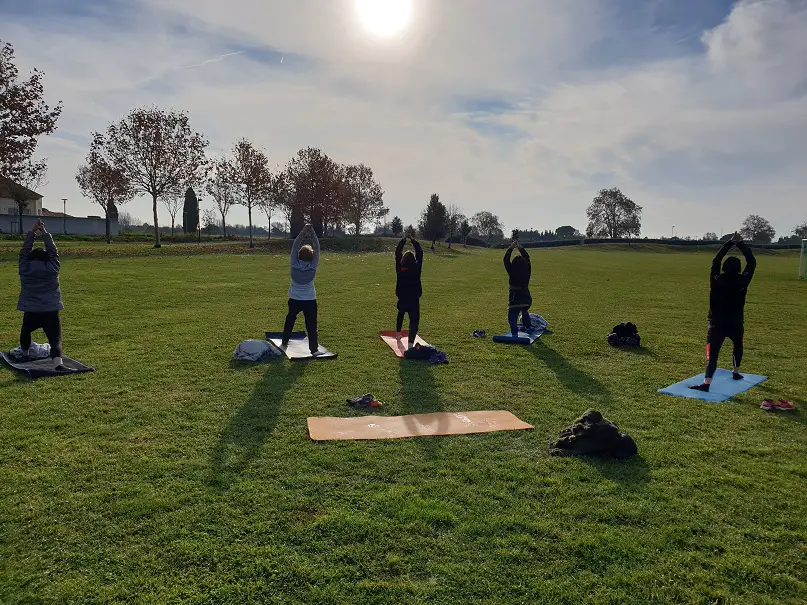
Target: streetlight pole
pixel 64 214
pixel 672 234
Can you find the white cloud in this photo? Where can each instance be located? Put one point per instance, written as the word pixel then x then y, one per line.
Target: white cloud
pixel 699 139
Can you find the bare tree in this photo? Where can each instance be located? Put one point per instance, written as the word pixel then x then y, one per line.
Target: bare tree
pixel 454 218
pixel 173 203
pixel 251 180
pixel 209 220
pixel 365 201
pixel 104 184
pixel 24 117
pixel 158 151
pixel 221 190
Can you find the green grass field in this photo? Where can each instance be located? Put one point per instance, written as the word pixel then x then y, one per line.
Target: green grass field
pixel 172 476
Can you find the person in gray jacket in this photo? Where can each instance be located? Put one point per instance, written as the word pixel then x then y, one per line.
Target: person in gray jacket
pixel 40 295
pixel 302 295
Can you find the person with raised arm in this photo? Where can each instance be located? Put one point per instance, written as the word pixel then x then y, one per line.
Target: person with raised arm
pixel 728 289
pixel 408 289
pixel 302 295
pixel 519 271
pixel 40 295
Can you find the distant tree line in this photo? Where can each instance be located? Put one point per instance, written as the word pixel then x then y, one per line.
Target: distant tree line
pixel 157 153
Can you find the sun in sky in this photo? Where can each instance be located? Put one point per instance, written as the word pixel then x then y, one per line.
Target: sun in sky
pixel 384 17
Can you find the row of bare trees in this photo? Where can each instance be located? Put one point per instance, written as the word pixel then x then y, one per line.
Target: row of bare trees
pixel 156 153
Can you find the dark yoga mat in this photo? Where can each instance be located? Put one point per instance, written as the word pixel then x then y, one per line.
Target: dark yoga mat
pixel 43 368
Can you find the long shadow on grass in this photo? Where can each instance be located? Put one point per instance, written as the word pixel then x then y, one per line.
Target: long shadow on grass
pixel 572 378
pixel 252 425
pixel 420 395
pixel 630 474
pixel 638 351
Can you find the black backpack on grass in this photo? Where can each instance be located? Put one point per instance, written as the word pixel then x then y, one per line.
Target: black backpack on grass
pixel 624 335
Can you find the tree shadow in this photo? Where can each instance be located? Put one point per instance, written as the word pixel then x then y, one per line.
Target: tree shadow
pixel 572 378
pixel 420 395
pixel 630 474
pixel 252 425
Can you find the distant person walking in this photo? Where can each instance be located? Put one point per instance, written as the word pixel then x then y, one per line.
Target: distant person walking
pixel 519 270
pixel 727 307
pixel 302 295
pixel 40 295
pixel 408 288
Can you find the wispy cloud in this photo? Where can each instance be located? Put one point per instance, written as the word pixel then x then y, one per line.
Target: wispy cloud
pixel 213 60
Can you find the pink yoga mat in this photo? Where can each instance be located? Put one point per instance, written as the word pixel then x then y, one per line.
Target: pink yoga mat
pixel 399 346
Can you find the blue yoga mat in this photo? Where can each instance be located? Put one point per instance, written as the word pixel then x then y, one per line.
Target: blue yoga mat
pixel 723 386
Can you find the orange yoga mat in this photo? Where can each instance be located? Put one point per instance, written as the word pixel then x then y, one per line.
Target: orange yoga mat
pixel 399 346
pixel 415 425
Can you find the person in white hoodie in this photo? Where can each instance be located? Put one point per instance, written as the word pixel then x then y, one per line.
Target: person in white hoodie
pixel 302 295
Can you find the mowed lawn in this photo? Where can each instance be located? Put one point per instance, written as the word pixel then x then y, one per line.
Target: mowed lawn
pixel 172 476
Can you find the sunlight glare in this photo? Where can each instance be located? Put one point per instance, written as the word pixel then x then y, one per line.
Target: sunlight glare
pixel 384 17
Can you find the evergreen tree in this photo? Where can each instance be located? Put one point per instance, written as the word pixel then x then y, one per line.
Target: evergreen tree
pixel 190 212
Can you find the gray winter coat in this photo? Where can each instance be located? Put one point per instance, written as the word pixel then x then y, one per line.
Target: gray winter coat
pixel 39 281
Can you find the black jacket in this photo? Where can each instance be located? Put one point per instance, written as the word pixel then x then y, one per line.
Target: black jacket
pixel 519 276
pixel 727 296
pixel 408 284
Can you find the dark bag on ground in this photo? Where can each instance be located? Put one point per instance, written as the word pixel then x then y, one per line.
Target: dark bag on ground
pixel 624 335
pixel 593 435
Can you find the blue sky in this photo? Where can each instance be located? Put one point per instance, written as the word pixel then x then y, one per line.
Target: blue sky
pixel 696 109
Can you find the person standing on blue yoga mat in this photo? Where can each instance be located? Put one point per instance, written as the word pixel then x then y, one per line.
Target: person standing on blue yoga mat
pixel 408 289
pixel 727 307
pixel 519 270
pixel 40 295
pixel 302 295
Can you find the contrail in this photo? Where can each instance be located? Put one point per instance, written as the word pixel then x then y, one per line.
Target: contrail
pixel 213 60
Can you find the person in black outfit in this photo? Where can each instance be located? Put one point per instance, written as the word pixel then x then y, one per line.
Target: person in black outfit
pixel 726 307
pixel 519 269
pixel 408 289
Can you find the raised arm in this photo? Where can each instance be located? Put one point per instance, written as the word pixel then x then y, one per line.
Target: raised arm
pixel 418 250
pixel 750 260
pixel 295 247
pixel 315 244
pixel 50 247
pixel 523 252
pixel 715 271
pixel 27 246
pixel 399 253
pixel 507 256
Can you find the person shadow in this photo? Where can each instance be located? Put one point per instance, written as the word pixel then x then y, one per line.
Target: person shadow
pixel 572 378
pixel 243 438
pixel 420 396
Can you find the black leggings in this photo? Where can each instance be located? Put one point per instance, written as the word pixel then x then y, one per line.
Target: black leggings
pixel 309 310
pixel 413 308
pixel 715 336
pixel 50 323
pixel 512 319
